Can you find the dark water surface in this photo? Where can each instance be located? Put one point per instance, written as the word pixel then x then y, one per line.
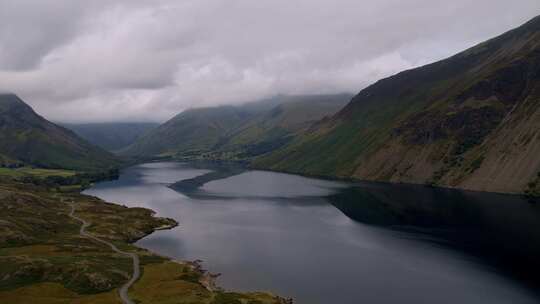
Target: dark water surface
pixel 336 243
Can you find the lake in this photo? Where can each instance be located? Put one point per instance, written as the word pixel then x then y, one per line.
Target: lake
pixel 329 242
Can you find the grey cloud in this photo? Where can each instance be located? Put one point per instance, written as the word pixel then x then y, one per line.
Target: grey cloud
pixel 31 29
pixel 147 60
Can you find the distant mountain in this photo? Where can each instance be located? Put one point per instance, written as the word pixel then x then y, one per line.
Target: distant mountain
pixel 111 136
pixel 26 137
pixel 190 131
pixel 236 132
pixel 471 121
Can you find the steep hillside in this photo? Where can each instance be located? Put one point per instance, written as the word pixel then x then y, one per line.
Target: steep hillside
pixel 471 121
pixel 111 136
pixel 26 137
pixel 275 127
pixel 236 132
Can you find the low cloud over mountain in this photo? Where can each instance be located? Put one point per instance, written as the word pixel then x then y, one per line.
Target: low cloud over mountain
pixel 148 60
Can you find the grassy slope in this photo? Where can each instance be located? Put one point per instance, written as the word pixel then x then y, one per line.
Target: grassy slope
pixel 275 127
pixel 431 124
pixel 43 259
pixel 192 130
pixel 29 138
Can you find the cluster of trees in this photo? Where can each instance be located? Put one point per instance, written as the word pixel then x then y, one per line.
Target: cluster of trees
pixel 84 179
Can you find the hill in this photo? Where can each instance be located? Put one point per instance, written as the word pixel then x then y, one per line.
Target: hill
pixel 235 132
pixel 27 138
pixel 471 121
pixel 111 136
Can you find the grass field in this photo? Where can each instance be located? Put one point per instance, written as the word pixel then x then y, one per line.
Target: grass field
pixel 178 283
pixel 35 172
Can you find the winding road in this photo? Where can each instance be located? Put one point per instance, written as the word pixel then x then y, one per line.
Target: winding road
pixel 123 292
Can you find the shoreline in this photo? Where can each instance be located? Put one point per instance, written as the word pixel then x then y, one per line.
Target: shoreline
pixel 207 278
pixel 248 166
pixel 423 185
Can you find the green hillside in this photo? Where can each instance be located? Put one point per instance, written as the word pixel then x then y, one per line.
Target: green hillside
pixel 236 132
pixel 27 138
pixel 471 121
pixel 191 130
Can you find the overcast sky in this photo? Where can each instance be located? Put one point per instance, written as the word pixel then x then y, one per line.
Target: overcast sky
pixel 127 60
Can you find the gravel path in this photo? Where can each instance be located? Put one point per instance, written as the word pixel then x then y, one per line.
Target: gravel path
pixel 123 292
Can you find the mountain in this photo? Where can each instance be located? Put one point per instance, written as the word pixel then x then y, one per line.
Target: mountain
pixel 471 121
pixel 27 138
pixel 191 130
pixel 236 132
pixel 111 136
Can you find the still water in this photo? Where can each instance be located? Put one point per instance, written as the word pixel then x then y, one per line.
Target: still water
pixel 326 242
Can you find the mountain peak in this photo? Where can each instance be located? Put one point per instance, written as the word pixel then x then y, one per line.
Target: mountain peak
pixel 10 101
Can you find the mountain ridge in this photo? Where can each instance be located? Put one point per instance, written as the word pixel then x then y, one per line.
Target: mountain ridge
pixel 439 124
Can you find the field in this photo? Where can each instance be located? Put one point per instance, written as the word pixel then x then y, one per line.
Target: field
pixel 35 172
pixel 44 259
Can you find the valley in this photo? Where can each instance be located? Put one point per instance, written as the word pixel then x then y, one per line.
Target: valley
pixel 111 136
pixel 421 188
pixel 469 122
pixel 60 246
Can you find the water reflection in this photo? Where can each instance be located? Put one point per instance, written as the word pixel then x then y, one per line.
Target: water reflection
pixel 324 242
pixel 501 229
